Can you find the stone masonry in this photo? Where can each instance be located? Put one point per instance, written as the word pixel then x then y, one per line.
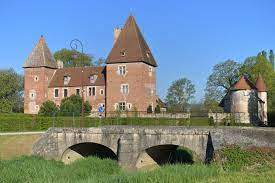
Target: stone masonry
pixel 129 144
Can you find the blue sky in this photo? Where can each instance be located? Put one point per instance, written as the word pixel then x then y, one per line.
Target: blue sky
pixel 186 37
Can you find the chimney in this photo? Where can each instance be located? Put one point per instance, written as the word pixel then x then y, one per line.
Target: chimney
pixel 59 64
pixel 116 33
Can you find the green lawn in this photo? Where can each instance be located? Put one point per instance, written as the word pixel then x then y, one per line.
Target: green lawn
pixel 232 165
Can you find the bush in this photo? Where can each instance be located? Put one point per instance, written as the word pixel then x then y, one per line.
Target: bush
pixel 48 108
pixel 211 121
pixel 87 107
pixel 68 108
pixel 157 109
pixel 271 118
pixel 72 106
pixel 149 109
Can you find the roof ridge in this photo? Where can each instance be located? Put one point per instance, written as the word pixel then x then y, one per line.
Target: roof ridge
pixel 137 37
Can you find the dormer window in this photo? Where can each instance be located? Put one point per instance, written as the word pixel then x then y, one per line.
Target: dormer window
pixel 92 78
pixel 122 53
pixel 66 80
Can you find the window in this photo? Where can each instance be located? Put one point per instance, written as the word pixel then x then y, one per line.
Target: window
pixel 92 91
pixel 65 93
pixel 32 94
pixel 92 78
pixel 122 53
pixel 35 78
pixel 37 107
pixel 129 106
pixel 56 93
pixel 77 91
pixel 125 89
pixel 122 70
pixel 122 106
pixel 101 91
pixel 66 80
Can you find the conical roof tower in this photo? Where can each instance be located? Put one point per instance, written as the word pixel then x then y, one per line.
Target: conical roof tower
pixel 40 56
pixel 260 84
pixel 130 46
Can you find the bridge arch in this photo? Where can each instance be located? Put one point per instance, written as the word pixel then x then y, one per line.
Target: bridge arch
pixel 158 155
pixel 85 149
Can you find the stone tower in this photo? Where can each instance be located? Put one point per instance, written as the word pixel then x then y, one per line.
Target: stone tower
pixel 38 70
pixel 130 71
pixel 243 101
pixel 262 95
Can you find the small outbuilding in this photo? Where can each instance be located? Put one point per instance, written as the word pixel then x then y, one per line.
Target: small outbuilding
pixel 247 101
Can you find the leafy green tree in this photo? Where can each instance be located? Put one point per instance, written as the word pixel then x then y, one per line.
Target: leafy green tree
pixel 254 66
pixel 157 109
pixel 179 94
pixel 71 58
pixel 149 109
pixel 11 93
pixel 271 59
pixel 72 106
pixel 223 76
pixel 68 108
pixel 48 108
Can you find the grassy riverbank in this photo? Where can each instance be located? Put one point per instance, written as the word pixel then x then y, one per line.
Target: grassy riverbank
pixel 231 165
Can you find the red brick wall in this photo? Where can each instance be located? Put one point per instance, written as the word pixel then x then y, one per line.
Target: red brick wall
pixel 37 87
pixel 94 101
pixel 140 83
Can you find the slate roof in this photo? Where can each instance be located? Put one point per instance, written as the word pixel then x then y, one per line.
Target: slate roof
pixel 260 84
pixel 76 77
pixel 40 56
pixel 131 42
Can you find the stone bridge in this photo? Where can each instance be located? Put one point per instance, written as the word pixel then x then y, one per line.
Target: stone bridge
pixel 137 147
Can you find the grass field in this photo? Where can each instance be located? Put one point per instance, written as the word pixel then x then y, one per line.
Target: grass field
pixel 12 146
pixel 232 165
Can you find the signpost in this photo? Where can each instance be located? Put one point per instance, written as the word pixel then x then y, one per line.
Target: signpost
pixel 100 112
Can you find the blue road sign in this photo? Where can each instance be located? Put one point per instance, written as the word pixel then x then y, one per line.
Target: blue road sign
pixel 100 109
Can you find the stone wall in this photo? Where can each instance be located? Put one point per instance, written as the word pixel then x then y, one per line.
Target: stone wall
pixel 129 143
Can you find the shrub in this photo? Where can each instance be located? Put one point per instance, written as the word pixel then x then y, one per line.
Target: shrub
pixel 211 121
pixel 68 108
pixel 48 108
pixel 157 109
pixel 271 118
pixel 87 107
pixel 72 106
pixel 149 109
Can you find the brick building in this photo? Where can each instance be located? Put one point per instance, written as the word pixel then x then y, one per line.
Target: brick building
pixel 127 82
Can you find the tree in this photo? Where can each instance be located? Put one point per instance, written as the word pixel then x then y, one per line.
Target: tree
pixel 271 59
pixel 48 108
pixel 11 93
pixel 179 94
pixel 157 109
pixel 223 76
pixel 73 105
pixel 149 109
pixel 71 58
pixel 261 65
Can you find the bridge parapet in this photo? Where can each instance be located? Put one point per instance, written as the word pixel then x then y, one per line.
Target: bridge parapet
pixel 128 144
